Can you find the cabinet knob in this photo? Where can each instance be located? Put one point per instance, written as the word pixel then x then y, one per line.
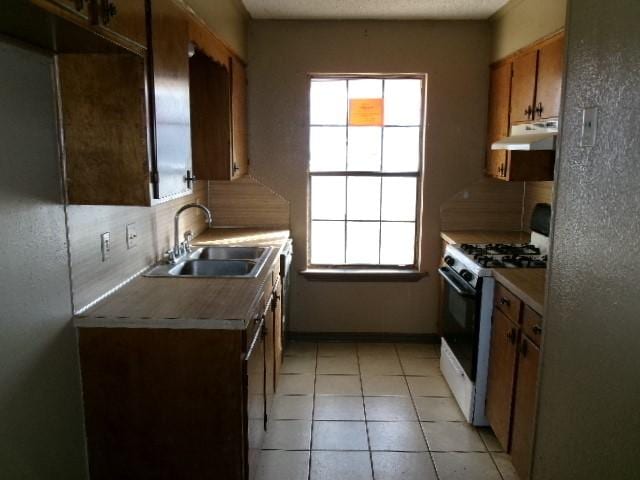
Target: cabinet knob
pixel 504 301
pixel 235 168
pixel 539 109
pixel 529 112
pixel 524 349
pixel 511 335
pixel 537 329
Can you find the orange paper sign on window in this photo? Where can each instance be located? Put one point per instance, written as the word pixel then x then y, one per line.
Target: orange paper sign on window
pixel 366 112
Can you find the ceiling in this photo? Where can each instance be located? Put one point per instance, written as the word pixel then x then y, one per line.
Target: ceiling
pixel 373 9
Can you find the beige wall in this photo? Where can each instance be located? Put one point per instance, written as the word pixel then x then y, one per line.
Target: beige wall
pixel 521 22
pixel 455 55
pixel 228 19
pixel 588 421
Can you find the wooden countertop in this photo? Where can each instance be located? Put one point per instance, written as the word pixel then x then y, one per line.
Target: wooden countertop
pixel 526 283
pixel 485 236
pixel 189 303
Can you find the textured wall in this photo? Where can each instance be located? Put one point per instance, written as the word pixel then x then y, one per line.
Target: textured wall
pixel 522 22
pixel 455 56
pixel 41 431
pixel 589 420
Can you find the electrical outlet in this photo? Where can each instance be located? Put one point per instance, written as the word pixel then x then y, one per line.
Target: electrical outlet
pixel 132 235
pixel 589 126
pixel 105 246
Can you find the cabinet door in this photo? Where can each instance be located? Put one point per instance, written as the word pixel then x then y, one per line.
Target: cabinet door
pixel 549 85
pixel 278 333
pixel 255 416
pixel 240 166
pixel 124 18
pixel 502 367
pixel 77 10
pixel 523 87
pixel 270 359
pixel 170 98
pixel 524 407
pixel 499 96
pixel 210 117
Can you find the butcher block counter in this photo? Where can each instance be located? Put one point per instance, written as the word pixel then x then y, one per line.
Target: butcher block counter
pixel 191 303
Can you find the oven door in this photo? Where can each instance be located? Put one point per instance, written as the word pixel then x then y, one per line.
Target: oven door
pixel 460 320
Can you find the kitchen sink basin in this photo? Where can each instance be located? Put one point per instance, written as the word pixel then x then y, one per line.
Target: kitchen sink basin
pixel 213 268
pixel 215 262
pixel 229 253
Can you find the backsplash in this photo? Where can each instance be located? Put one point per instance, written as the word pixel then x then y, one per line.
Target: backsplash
pixel 90 276
pixel 247 203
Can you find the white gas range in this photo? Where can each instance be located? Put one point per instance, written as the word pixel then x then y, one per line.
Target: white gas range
pixel 467 306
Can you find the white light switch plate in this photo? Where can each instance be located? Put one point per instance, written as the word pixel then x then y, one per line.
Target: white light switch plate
pixel 589 126
pixel 132 235
pixel 105 245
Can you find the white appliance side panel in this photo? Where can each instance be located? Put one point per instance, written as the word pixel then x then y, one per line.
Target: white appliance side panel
pixel 460 384
pixel 484 345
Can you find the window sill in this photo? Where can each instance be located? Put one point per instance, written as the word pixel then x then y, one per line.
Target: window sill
pixel 363 274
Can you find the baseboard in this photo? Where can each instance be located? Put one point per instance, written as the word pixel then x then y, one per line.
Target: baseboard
pixel 364 337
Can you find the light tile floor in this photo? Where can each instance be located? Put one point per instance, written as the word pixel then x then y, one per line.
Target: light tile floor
pixel 372 411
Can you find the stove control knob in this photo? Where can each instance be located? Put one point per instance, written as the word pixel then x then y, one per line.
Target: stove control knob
pixel 449 260
pixel 467 275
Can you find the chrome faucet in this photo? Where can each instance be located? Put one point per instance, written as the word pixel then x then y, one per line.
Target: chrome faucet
pixel 181 248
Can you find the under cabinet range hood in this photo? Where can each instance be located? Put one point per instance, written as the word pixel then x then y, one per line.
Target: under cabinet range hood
pixel 530 136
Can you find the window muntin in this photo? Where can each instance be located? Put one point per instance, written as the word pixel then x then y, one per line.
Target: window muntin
pixel 364 170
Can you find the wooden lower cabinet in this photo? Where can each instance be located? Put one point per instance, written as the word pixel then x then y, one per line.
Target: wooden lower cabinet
pixel 524 408
pixel 502 367
pixel 513 377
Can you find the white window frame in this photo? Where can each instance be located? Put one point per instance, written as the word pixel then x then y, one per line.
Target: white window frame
pixel 418 175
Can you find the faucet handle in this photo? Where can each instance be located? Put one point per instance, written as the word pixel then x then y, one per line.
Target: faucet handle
pixel 170 255
pixel 188 237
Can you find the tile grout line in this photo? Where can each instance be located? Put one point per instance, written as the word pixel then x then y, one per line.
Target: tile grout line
pixel 415 409
pixel 364 410
pixel 493 460
pixel 313 407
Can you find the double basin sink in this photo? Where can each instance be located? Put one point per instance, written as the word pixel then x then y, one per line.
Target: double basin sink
pixel 216 262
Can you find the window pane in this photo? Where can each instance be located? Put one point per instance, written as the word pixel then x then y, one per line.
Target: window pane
pixel 328 102
pixel 364 149
pixel 327 243
pixel 328 198
pixel 397 243
pixel 363 242
pixel 399 199
pixel 363 198
pixel 401 150
pixel 365 88
pixel 328 148
pixel 403 102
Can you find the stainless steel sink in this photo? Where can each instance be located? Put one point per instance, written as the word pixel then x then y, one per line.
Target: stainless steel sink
pixel 213 268
pixel 215 262
pixel 229 253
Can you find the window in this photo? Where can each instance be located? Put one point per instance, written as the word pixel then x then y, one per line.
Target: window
pixel 365 145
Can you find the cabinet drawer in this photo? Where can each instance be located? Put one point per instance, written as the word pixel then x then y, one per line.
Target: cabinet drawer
pixel 507 302
pixel 532 325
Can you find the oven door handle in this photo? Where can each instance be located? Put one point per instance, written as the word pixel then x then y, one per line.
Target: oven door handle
pixel 460 290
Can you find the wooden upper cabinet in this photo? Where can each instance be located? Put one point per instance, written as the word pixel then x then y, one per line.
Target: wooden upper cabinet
pixel 210 93
pixel 124 18
pixel 218 84
pixel 502 365
pixel 523 87
pixel 524 409
pixel 498 124
pixel 549 82
pixel 171 119
pixel 104 128
pixel 240 163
